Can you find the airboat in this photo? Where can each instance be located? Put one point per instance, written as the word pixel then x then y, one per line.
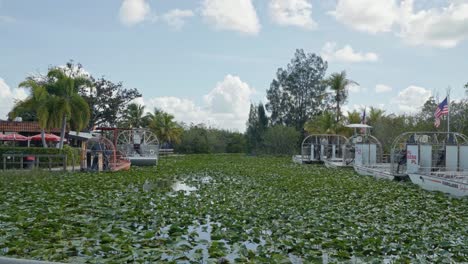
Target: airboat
pixel 438 161
pixel 101 155
pixel 319 148
pixel 140 146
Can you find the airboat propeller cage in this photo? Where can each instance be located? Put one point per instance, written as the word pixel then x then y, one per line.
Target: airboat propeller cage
pixel 427 151
pixel 367 149
pixel 139 145
pixel 317 147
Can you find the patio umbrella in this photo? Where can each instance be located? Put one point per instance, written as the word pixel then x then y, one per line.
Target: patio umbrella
pixel 48 137
pixel 14 137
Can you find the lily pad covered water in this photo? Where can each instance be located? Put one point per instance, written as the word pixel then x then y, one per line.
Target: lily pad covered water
pixel 232 208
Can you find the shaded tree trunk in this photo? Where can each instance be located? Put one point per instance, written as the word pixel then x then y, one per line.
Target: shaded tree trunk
pixel 62 131
pixel 44 143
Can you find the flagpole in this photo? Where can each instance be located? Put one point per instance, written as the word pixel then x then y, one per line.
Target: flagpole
pixel 448 106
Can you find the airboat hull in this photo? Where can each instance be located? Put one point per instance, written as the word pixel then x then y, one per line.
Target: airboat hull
pixel 305 160
pixel 434 183
pixel 376 172
pixel 122 165
pixel 143 161
pixel 336 164
pixel 381 171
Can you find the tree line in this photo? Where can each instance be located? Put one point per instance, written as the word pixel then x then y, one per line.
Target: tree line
pixel 301 100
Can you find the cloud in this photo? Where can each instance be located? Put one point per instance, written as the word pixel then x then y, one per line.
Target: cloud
pixel 354 88
pixel 330 52
pixel 8 97
pixel 371 16
pixel 133 12
pixel 412 98
pixel 382 88
pixel 176 18
pixel 225 106
pixel 292 13
pixel 238 15
pixel 443 26
pixel 439 27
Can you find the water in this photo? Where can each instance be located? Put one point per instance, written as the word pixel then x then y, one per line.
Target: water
pixel 181 186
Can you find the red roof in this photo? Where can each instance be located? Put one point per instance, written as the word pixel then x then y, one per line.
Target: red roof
pixel 31 127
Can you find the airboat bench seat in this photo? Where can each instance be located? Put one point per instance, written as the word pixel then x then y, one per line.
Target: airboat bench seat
pixel 166 151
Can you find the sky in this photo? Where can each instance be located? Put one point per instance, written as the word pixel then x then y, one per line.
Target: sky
pixel 208 60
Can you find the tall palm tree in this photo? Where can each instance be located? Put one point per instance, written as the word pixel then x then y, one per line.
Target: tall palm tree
pixel 338 83
pixel 164 126
pixel 69 105
pixel 133 116
pixel 41 103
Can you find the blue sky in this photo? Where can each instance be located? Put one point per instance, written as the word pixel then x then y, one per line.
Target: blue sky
pixel 206 60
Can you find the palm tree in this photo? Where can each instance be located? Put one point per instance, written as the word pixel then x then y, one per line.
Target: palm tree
pixel 68 104
pixel 338 83
pixel 41 103
pixel 324 123
pixel 354 117
pixel 375 115
pixel 164 126
pixel 133 116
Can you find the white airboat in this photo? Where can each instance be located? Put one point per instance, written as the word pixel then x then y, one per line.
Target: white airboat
pixel 438 161
pixel 139 145
pixel 322 148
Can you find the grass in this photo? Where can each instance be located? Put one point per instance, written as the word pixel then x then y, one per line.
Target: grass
pixel 245 209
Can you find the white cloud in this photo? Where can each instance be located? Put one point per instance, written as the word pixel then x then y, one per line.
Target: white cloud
pixel 330 52
pixel 176 17
pixel 292 13
pixel 8 98
pixel 412 98
pixel 238 15
pixel 371 16
pixel 440 27
pixel 354 88
pixel 133 12
pixel 382 88
pixel 225 106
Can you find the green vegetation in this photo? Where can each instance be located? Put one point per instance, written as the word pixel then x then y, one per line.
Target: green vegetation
pixel 253 209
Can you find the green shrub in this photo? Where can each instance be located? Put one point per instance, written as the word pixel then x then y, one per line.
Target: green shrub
pixel 281 140
pixel 73 154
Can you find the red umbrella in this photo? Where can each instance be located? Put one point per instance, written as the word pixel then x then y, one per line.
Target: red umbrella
pixel 48 137
pixel 14 137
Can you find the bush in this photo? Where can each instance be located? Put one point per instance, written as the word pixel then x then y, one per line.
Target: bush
pixel 200 139
pixel 281 140
pixel 73 154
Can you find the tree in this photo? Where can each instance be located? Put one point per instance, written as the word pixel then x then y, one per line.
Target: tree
pixel 133 116
pixel 338 83
pixel 257 125
pixel 354 117
pixel 322 124
pixel 375 114
pixel 297 92
pixel 107 101
pixel 164 126
pixel 63 86
pixel 281 140
pixel 37 104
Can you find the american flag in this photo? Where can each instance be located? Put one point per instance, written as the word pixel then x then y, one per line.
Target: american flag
pixel 442 109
